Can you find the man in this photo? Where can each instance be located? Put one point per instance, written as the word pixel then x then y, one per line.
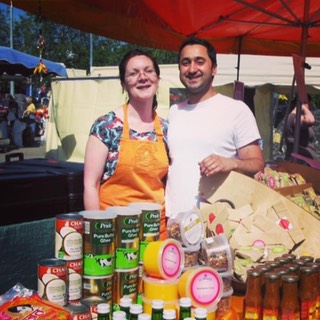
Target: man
pixel 208 133
pixel 307 134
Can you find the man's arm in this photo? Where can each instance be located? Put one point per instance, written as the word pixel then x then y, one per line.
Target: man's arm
pixel 250 161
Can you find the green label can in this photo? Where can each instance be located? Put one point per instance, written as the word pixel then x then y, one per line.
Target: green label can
pixel 150 224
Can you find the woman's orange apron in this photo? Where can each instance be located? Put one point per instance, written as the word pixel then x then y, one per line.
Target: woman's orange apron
pixel 140 172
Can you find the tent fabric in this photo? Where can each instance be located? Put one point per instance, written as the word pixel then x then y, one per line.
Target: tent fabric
pixel 13 62
pixel 268 27
pixel 254 70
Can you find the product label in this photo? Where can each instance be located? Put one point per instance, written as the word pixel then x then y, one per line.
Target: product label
pixel 68 239
pixel 205 287
pixel 270 314
pixel 126 258
pixel 252 313
pixel 307 311
pixel 192 229
pixel 98 265
pixel 290 315
pixel 75 269
pixel 52 284
pixel 150 225
pixel 171 260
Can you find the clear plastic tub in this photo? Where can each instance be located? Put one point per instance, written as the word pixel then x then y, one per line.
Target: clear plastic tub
pixel 216 252
pixel 186 227
pixel 224 305
pixel 191 256
pixel 227 280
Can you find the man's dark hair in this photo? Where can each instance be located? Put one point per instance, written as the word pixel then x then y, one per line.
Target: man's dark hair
pixel 193 40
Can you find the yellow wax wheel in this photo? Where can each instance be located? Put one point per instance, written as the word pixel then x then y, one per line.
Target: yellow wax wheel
pixel 164 259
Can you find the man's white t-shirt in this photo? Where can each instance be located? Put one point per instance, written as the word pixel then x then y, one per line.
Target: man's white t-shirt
pixel 219 125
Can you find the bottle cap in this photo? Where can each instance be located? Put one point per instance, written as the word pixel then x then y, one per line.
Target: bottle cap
pixel 157 304
pixel 125 301
pixel 144 316
pixel 185 302
pixel 103 308
pixel 200 313
pixel 169 314
pixel 119 315
pixel 136 308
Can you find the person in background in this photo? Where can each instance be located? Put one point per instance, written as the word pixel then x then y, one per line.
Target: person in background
pixel 4 111
pixel 30 113
pixel 126 156
pixel 306 146
pixel 208 133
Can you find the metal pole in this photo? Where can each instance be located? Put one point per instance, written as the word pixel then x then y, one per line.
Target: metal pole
pixel 304 36
pixel 91 50
pixel 11 44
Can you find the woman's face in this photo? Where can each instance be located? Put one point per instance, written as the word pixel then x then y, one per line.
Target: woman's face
pixel 141 80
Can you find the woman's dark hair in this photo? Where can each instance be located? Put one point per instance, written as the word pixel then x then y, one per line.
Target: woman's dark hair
pixel 192 41
pixel 134 53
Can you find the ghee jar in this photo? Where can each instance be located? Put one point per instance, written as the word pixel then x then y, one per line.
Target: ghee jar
pixel 203 285
pixel 163 289
pixel 164 259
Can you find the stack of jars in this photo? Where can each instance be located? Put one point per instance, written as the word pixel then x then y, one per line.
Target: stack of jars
pixel 286 288
pixel 163 264
pixel 217 254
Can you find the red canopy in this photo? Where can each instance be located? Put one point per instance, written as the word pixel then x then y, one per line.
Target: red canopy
pixel 268 27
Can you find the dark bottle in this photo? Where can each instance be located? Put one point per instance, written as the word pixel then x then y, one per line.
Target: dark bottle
pixel 293 269
pixel 252 303
pixel 307 259
pixel 125 303
pixel 264 268
pixel 157 309
pixel 316 274
pixel 184 308
pixel 289 256
pixel 271 299
pixel 307 293
pixel 289 306
pixel 135 310
pixel 103 311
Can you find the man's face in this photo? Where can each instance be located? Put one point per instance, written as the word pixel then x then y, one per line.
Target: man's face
pixel 196 69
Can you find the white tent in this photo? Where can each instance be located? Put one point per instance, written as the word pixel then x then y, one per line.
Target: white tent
pixel 78 100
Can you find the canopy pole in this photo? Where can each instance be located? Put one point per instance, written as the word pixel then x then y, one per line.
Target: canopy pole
pixel 11 43
pixel 304 38
pixel 238 60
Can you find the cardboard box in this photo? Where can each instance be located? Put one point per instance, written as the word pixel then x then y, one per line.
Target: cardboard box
pixel 302 234
pixel 311 175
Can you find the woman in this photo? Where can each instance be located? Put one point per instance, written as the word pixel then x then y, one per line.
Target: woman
pixel 126 158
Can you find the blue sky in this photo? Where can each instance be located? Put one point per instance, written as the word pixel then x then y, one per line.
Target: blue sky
pixel 16 12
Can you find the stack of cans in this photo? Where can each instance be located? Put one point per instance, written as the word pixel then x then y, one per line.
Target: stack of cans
pixel 126 253
pixel 69 248
pixel 98 253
